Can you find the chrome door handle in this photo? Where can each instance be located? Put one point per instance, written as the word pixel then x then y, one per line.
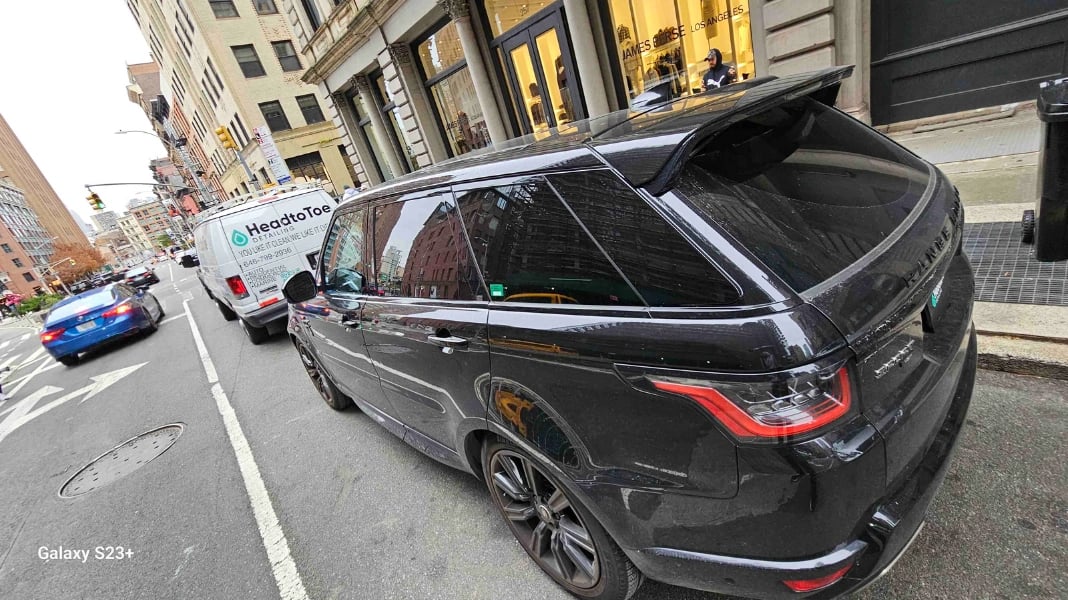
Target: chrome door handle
pixel 450 341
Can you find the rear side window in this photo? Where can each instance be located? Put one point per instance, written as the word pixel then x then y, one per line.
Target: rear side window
pixel 531 249
pixel 665 268
pixel 805 188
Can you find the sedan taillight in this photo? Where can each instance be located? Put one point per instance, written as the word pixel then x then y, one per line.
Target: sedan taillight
pixel 769 411
pixel 51 334
pixel 121 309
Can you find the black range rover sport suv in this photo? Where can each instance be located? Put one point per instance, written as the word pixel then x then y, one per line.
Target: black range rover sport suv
pixel 723 343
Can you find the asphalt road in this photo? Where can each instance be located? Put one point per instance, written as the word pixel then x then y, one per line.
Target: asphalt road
pixel 364 515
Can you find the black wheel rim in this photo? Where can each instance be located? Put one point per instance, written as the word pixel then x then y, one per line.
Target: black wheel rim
pixel 314 374
pixel 544 520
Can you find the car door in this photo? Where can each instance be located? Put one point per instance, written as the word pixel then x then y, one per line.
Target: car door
pixel 332 320
pixel 425 328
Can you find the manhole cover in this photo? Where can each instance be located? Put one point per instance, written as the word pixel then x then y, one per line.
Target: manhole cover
pixel 122 460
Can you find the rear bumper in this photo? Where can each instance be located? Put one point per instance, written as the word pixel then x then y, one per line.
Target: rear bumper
pixel 891 526
pixel 104 335
pixel 268 315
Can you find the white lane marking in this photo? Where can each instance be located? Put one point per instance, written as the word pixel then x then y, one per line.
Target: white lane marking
pixel 9 360
pixel 33 357
pixel 188 551
pixel 5 344
pixel 99 383
pixel 284 569
pixel 174 318
pixel 41 368
pixel 24 337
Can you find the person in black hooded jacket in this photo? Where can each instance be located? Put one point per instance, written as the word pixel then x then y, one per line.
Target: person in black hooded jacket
pixel 718 74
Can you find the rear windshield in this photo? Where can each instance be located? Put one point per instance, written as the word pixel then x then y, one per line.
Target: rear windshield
pixel 805 188
pixel 79 304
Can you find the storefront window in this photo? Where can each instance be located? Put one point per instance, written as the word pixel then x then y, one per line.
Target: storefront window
pixel 449 84
pixel 663 45
pixel 505 14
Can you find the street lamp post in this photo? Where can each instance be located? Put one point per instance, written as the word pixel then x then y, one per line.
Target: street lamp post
pixel 205 196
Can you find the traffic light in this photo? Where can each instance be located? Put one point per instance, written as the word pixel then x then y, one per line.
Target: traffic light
pixel 225 138
pixel 94 201
pixel 72 262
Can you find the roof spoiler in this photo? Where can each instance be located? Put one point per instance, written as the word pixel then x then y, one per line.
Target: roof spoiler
pixel 821 86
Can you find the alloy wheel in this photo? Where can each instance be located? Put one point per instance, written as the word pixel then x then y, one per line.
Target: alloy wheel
pixel 314 373
pixel 544 520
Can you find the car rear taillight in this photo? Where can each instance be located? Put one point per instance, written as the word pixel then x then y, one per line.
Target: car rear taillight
pixel 769 410
pixel 121 309
pixel 51 334
pixel 237 286
pixel 811 585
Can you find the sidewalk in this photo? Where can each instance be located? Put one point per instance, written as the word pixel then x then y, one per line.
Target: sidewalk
pixel 1021 309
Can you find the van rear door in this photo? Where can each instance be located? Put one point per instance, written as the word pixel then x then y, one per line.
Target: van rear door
pixel 274 239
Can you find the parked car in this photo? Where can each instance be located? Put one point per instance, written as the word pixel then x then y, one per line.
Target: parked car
pixel 99 316
pixel 755 375
pixel 141 276
pixel 249 246
pixel 117 275
pixel 188 258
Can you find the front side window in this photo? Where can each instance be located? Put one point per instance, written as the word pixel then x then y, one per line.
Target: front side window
pixel 274 116
pixel 287 56
pixel 248 60
pixel 531 249
pixel 223 8
pixel 420 251
pixel 309 107
pixel 344 270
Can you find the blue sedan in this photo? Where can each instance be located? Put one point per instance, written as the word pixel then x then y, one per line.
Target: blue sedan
pixel 97 317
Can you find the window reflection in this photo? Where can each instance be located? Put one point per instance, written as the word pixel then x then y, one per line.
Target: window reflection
pixel 344 269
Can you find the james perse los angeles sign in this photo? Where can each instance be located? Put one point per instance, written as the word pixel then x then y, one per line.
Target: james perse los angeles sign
pixel 287 219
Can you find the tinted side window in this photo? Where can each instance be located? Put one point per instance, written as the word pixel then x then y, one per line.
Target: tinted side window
pixel 531 249
pixel 344 264
pixel 420 251
pixel 662 265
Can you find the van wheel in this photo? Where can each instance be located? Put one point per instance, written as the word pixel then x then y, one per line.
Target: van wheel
pixel 227 314
pixel 256 335
pixel 333 397
pixel 556 531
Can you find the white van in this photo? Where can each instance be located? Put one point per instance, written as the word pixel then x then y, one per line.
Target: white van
pixel 249 246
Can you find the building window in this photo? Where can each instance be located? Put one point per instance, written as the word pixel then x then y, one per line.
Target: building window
pixel 264 178
pixel 6 247
pixel 287 56
pixel 506 14
pixel 664 44
pixel 309 106
pixel 265 7
pixel 313 14
pixel 215 74
pixel 241 127
pixel 274 115
pixel 223 8
pixel 388 107
pixel 448 82
pixel 17 262
pixel 309 166
pixel 248 60
pixel 28 276
pixel 380 166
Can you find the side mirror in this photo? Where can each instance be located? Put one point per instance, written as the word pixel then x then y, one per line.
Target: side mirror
pixel 299 288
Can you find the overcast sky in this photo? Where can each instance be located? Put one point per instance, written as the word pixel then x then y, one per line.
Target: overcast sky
pixel 63 91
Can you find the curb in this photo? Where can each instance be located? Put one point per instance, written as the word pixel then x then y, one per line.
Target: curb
pixel 1019 365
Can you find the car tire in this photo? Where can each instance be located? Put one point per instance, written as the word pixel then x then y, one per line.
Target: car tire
pixel 69 360
pixel 256 335
pixel 153 325
pixel 1028 226
pixel 554 529
pixel 159 305
pixel 333 397
pixel 227 313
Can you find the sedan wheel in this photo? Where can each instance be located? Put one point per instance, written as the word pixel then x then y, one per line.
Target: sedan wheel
pixel 560 535
pixel 326 388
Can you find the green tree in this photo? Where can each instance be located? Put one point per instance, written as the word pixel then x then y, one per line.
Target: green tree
pixel 164 240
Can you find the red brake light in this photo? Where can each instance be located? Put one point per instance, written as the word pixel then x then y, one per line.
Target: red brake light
pixel 769 411
pixel 811 585
pixel 121 309
pixel 237 286
pixel 51 334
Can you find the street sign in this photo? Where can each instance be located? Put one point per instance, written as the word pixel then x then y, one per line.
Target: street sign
pixel 270 152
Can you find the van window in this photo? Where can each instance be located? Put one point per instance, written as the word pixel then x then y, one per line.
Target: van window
pixel 344 267
pixel 420 251
pixel 805 188
pixel 662 265
pixel 531 249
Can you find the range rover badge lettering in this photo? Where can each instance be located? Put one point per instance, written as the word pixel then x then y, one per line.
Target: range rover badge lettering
pixel 897 360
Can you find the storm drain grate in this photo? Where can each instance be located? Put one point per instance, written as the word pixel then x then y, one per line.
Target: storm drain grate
pixel 122 460
pixel 1006 269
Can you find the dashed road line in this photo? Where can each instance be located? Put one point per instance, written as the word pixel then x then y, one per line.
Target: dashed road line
pixel 284 569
